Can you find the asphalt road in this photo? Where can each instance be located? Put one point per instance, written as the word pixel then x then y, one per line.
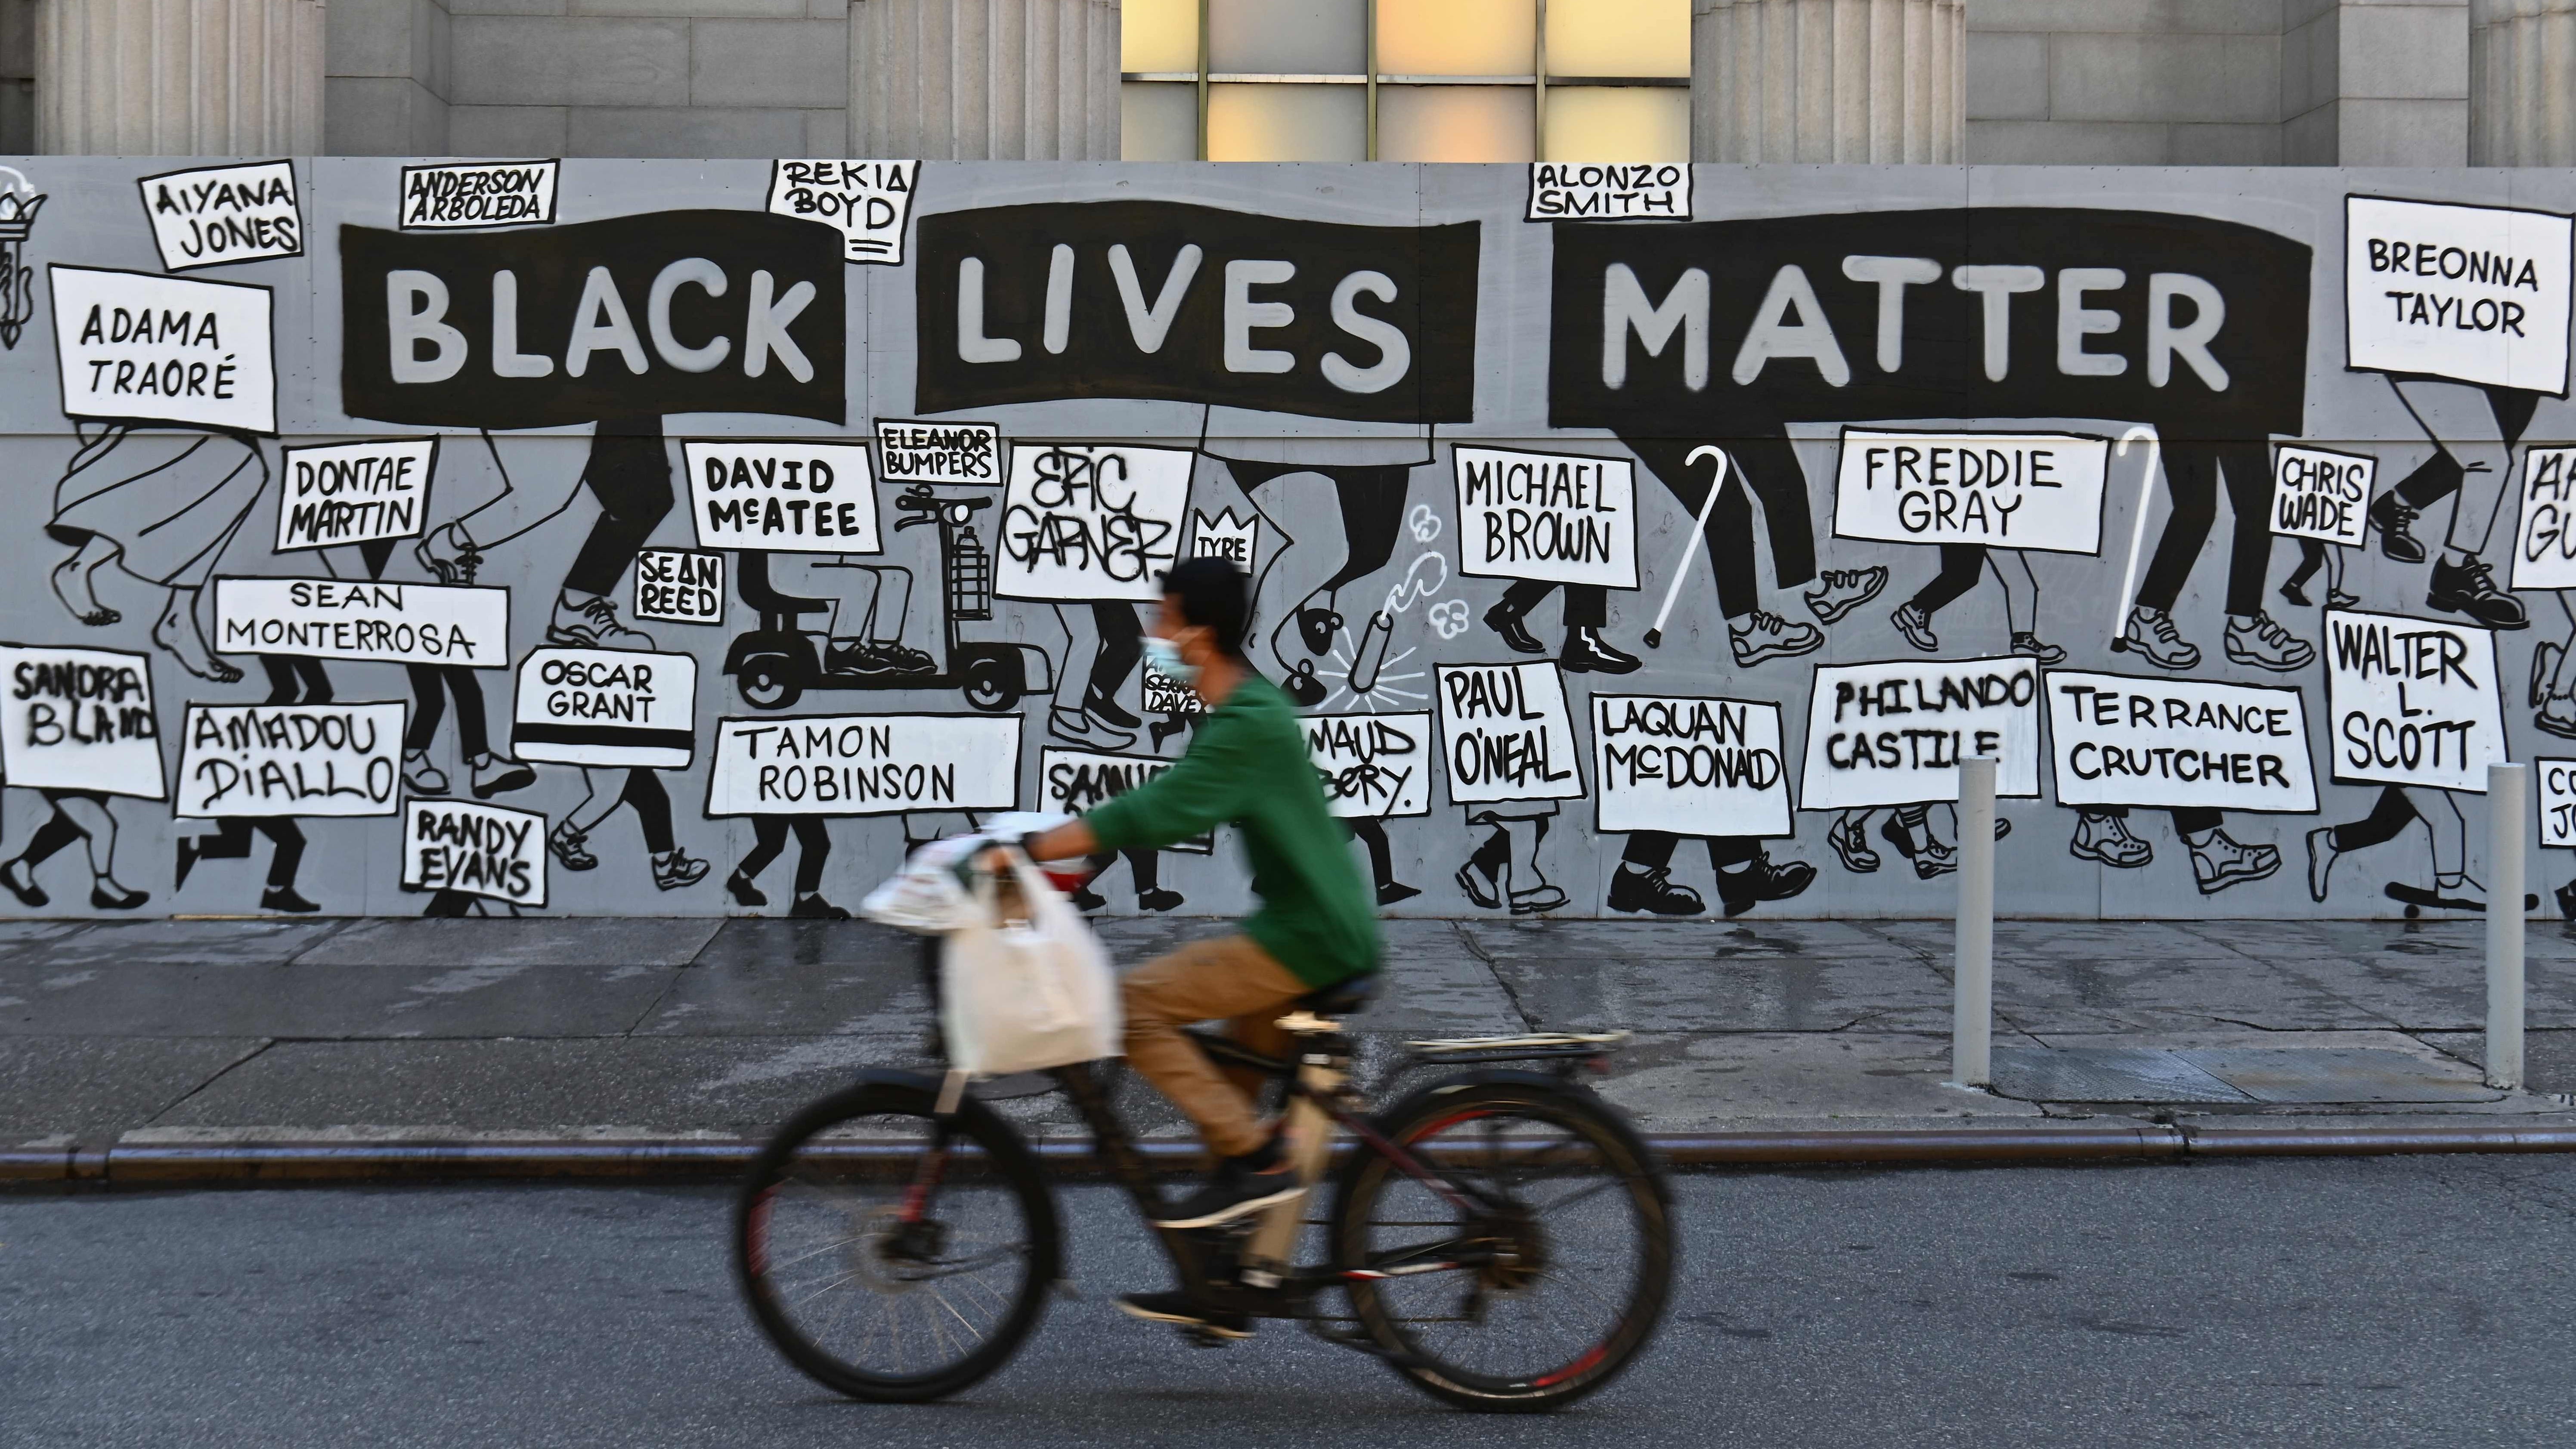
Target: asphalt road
pixel 2330 1302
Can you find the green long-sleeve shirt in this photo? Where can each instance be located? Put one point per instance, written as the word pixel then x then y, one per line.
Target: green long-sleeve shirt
pixel 1247 767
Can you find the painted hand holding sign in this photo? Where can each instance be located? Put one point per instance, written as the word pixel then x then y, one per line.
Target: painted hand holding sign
pixel 2011 490
pixel 1710 767
pixel 79 719
pixel 794 497
pixel 289 759
pixel 2414 701
pixel 1091 522
pixel 2118 740
pixel 1893 734
pixel 480 850
pixel 2471 293
pixel 161 349
pixel 864 764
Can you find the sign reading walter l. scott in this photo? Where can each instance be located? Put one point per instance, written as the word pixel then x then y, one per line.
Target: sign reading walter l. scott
pixel 2412 701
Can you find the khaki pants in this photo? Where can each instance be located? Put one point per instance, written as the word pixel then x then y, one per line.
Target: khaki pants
pixel 1229 977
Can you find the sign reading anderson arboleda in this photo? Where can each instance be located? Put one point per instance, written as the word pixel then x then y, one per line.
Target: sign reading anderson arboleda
pixel 498 535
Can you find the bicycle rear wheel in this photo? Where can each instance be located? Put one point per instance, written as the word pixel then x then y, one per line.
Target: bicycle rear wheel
pixel 1547 1283
pixel 868 1298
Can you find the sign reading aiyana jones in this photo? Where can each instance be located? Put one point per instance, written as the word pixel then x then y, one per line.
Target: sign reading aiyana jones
pixel 2414 701
pixel 396 623
pixel 866 201
pixel 479 194
pixel 793 497
pixel 2119 740
pixel 1076 780
pixel 910 452
pixel 1689 766
pixel 864 764
pixel 1568 191
pixel 2472 293
pixel 2320 494
pixel 2556 802
pixel 1090 522
pixel 1507 733
pixel 1894 733
pixel 133 346
pixel 1372 764
pixel 79 719
pixel 219 214
pixel 481 850
pixel 289 759
pixel 681 585
pixel 2544 555
pixel 352 492
pixel 606 707
pixel 1552 517
pixel 2010 490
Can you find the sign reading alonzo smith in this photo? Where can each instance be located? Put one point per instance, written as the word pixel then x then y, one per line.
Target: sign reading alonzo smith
pixel 638 316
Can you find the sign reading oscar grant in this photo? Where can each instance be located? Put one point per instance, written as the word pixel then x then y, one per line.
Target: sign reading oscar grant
pixel 2119 740
pixel 790 497
pixel 606 707
pixel 354 492
pixel 79 719
pixel 1894 733
pixel 2009 490
pixel 2321 494
pixel 479 850
pixel 1689 766
pixel 289 759
pixel 864 764
pixel 2472 293
pixel 130 346
pixel 2412 701
pixel 394 623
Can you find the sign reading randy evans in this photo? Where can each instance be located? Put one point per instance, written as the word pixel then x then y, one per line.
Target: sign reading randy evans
pixel 1894 733
pixel 479 850
pixel 2119 740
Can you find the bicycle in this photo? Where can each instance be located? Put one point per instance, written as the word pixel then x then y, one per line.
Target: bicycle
pixel 1445 1238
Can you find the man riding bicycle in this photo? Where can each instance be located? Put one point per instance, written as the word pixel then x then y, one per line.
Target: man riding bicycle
pixel 1246 767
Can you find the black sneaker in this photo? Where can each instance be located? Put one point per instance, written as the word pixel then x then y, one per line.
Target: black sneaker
pixel 1182 1309
pixel 1236 1191
pixel 1741 890
pixel 2469 588
pixel 2391 516
pixel 1652 890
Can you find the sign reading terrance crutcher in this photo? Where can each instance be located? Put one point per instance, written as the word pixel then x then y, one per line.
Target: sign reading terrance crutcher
pixel 2119 740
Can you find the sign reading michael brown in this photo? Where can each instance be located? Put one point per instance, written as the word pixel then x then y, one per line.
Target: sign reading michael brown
pixel 667 312
pixel 1156 299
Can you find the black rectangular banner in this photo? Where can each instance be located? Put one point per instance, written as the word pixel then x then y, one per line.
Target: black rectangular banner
pixel 637 316
pixel 1154 299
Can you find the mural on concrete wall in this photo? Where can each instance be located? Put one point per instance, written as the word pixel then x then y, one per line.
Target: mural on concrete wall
pixel 491 537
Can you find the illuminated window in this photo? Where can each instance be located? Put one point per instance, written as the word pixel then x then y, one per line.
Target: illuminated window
pixel 1405 80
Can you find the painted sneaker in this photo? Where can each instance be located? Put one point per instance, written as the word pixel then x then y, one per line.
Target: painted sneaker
pixel 592 624
pixel 1540 897
pixel 2263 643
pixel 421 777
pixel 2557 716
pixel 1765 635
pixel 446 552
pixel 2106 840
pixel 2223 863
pixel 1916 626
pixel 2469 588
pixel 565 844
pixel 1849 836
pixel 2544 664
pixel 1652 890
pixel 1844 590
pixel 676 868
pixel 2029 646
pixel 2151 635
pixel 1075 727
pixel 2321 859
pixel 499 776
pixel 2392 517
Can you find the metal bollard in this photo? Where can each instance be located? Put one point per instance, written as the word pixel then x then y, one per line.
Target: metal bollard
pixel 1972 972
pixel 2508 803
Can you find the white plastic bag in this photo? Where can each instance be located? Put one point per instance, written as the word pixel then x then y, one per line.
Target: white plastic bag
pixel 1022 995
pixel 927 897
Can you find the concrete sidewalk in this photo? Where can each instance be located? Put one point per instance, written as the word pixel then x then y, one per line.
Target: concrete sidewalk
pixel 176 1032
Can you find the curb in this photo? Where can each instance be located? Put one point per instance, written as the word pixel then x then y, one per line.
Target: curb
pixel 291 1163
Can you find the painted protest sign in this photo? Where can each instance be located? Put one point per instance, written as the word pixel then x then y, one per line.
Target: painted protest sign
pixel 79 719
pixel 2321 494
pixel 606 707
pixel 1689 766
pixel 1507 734
pixel 2556 801
pixel 867 202
pixel 1165 695
pixel 790 497
pixel 920 452
pixel 1073 781
pixel 1556 518
pixel 1376 765
pixel 480 850
pixel 353 492
pixel 2471 293
pixel 1091 522
pixel 289 759
pixel 864 764
pixel 2544 554
pixel 1227 537
pixel 130 346
pixel 680 585
pixel 1894 733
pixel 2011 490
pixel 217 214
pixel 395 623
pixel 479 194
pixel 1571 191
pixel 2413 701
pixel 2120 740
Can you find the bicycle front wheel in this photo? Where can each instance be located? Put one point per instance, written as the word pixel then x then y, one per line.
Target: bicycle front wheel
pixel 892 1256
pixel 1545 1275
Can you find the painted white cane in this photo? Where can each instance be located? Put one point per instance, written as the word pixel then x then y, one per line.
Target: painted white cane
pixel 1690 549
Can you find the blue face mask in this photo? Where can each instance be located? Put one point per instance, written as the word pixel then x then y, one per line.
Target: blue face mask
pixel 1164 657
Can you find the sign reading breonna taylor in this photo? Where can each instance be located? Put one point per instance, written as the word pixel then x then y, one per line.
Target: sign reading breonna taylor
pixel 864 764
pixel 2471 293
pixel 2010 490
pixel 1551 517
pixel 2119 740
pixel 2412 701
pixel 1894 733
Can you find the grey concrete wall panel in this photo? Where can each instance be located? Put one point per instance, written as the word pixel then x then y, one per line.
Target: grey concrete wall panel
pixel 1988 316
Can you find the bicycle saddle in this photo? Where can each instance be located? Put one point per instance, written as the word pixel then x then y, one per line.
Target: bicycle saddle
pixel 1343 997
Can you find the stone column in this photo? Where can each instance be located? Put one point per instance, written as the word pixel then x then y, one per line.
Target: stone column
pixel 984 80
pixel 1828 80
pixel 179 77
pixel 2522 83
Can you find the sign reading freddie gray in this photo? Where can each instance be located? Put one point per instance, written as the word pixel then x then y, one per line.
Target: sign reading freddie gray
pixel 479 194
pixel 1157 299
pixel 668 312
